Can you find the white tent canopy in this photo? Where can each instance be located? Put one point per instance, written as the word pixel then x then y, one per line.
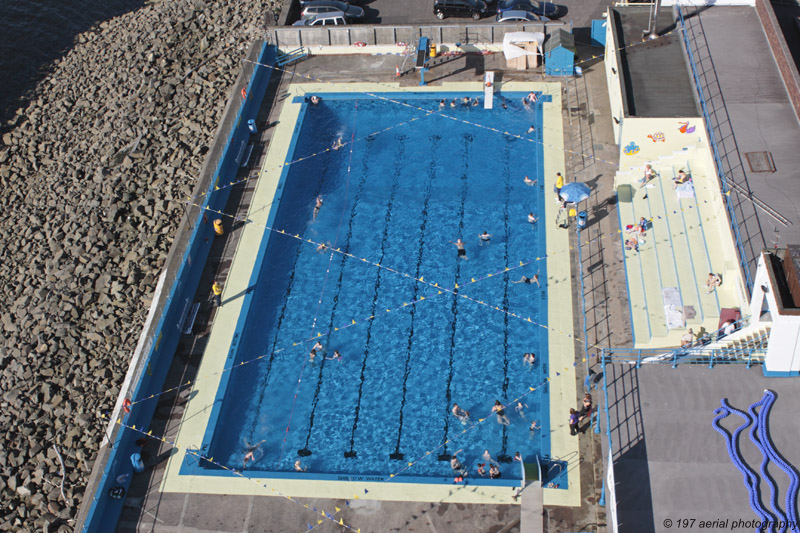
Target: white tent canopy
pixel 511 51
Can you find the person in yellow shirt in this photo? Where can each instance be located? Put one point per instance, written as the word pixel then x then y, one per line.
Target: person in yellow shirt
pixel 216 288
pixel 559 184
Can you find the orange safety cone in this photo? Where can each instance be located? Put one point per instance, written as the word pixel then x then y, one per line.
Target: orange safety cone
pixel 218 227
pixel 397 71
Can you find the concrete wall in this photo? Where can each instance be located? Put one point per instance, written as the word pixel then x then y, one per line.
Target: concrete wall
pixel 783 350
pixel 185 266
pixel 613 80
pixel 783 57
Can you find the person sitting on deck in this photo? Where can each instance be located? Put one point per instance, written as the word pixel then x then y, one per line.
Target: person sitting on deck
pixel 680 179
pixel 649 174
pixel 688 339
pixel 713 281
pixel 632 244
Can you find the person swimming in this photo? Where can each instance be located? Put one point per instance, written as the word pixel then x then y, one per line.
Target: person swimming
pixel 527 280
pixel 501 413
pixel 298 466
pixel 250 451
pixel 462 251
pixel 529 182
pixel 315 99
pixel 336 356
pixel 337 143
pixel 475 102
pixel 460 413
pixel 323 247
pixel 455 464
pixel 317 207
pixel 442 104
pixel 484 237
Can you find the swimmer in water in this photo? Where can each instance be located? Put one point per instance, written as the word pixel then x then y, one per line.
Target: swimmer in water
pixel 501 413
pixel 529 182
pixel 532 219
pixel 465 101
pixel 526 279
pixel 487 456
pixel 494 472
pixel 462 252
pixel 323 247
pixel 503 103
pixel 250 451
pixel 336 356
pixel 481 469
pixel 337 143
pixel 517 457
pixel 315 100
pixel 455 464
pixel 460 413
pixel 475 102
pixel 534 426
pixel 520 409
pixel 317 207
pixel 453 103
pixel 532 97
pixel 312 355
pixel 532 129
pixel 298 466
pixel 529 358
pixel 484 237
pixel 442 104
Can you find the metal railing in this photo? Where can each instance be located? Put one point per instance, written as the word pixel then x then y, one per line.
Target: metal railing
pixel 717 160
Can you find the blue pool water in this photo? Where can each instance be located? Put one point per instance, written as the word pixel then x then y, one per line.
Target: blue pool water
pixel 396 198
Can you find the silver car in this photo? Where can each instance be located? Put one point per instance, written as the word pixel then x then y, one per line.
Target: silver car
pixel 520 16
pixel 335 18
pixel 329 6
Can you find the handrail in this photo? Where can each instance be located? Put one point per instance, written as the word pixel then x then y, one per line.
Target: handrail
pixel 717 160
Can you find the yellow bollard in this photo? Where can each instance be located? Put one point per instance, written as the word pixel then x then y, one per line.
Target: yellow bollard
pixel 218 227
pixel 433 50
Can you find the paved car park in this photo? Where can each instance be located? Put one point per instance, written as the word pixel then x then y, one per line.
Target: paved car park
pixel 394 12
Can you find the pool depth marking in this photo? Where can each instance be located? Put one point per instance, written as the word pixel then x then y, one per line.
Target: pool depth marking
pixel 454 304
pixel 305 451
pixel 397 455
pixel 351 453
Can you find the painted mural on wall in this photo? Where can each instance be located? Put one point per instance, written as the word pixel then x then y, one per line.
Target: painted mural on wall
pixel 657 137
pixel 631 149
pixel 685 127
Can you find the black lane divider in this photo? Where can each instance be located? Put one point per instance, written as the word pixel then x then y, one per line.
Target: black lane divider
pixel 434 140
pixel 282 315
pixel 444 456
pixel 400 142
pixel 305 451
pixel 503 456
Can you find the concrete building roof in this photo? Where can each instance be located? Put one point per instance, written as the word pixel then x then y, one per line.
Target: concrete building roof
pixel 665 91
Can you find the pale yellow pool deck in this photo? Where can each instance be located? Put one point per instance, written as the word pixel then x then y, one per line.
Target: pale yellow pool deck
pixel 561 347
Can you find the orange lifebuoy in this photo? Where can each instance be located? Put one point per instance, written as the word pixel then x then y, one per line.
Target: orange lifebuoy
pixel 488 84
pixel 360 44
pixel 244 92
pixel 126 405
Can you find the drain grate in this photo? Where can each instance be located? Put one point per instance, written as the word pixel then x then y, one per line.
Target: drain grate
pixel 760 161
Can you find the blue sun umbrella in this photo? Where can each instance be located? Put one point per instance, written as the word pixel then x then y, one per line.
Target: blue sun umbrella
pixel 575 192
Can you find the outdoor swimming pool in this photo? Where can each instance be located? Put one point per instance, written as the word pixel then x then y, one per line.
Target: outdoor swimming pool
pixel 411 181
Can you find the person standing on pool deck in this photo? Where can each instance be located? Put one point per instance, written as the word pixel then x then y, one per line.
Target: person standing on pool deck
pixel 317 206
pixel 485 237
pixel 216 289
pixel 501 413
pixel 559 184
pixel 462 252
pixel 573 421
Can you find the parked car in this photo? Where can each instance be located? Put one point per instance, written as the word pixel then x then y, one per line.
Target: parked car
pixel 329 6
pixel 335 18
pixel 520 16
pixel 543 9
pixel 304 3
pixel 459 8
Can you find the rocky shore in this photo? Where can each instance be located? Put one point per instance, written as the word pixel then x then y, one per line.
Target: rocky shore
pixel 92 175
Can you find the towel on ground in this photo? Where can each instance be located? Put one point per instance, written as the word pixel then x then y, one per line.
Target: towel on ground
pixel 673 308
pixel 685 190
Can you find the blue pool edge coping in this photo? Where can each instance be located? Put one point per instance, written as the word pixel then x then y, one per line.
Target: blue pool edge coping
pixel 192 461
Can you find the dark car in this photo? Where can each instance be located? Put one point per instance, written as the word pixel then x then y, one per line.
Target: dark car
pixel 459 8
pixel 329 6
pixel 543 9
